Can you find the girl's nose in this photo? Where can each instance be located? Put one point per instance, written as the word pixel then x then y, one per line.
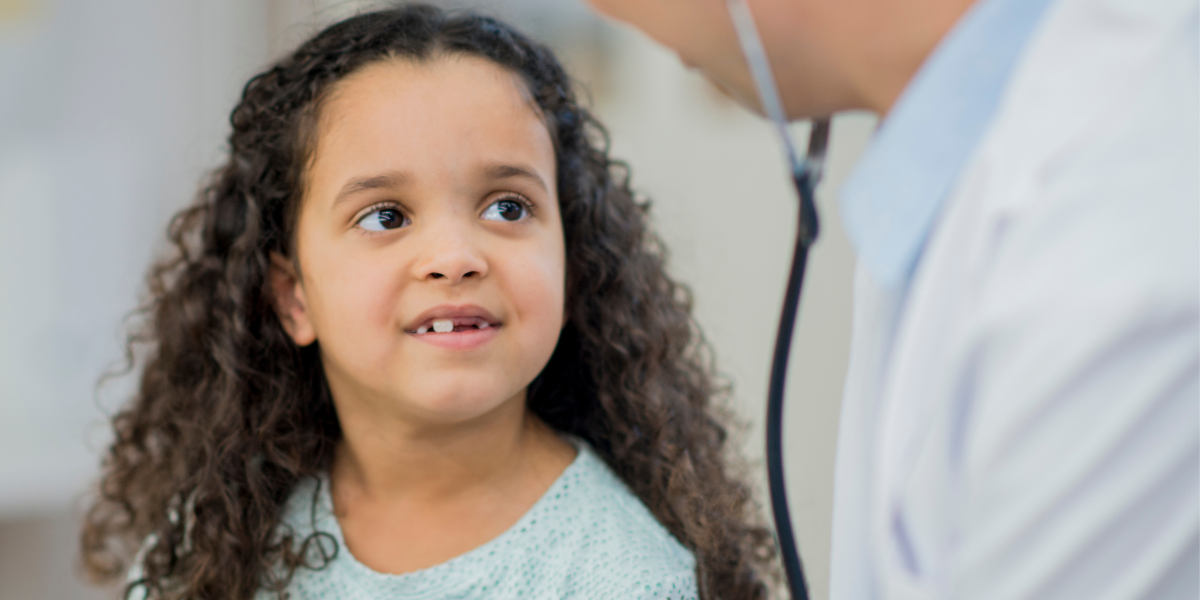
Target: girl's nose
pixel 451 255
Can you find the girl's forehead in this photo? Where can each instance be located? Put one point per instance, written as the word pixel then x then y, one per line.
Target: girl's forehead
pixel 447 92
pixel 440 113
pixel 447 70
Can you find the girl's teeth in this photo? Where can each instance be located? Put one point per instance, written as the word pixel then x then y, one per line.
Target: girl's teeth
pixel 447 326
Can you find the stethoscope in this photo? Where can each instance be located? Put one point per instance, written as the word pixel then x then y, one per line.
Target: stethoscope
pixel 805 174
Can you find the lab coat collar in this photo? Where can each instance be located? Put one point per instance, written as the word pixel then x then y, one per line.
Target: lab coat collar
pixel 892 198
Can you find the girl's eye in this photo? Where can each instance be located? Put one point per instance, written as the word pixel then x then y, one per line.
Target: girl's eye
pixel 509 209
pixel 382 219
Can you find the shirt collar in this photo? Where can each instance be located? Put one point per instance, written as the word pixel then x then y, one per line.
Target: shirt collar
pixel 894 194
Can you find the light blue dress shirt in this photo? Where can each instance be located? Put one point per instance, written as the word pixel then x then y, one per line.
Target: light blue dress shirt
pixel 894 194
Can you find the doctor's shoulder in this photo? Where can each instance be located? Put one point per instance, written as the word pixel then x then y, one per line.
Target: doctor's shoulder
pixel 1084 207
pixel 1086 188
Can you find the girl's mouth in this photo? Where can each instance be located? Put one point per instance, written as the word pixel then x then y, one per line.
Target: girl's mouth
pixel 463 333
pixel 461 327
pixel 454 325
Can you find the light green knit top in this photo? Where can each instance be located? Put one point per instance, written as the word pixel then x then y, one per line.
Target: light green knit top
pixel 587 537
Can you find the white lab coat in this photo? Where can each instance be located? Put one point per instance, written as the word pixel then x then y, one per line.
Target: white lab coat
pixel 1023 421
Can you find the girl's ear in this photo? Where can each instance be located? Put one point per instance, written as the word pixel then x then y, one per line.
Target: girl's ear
pixel 289 301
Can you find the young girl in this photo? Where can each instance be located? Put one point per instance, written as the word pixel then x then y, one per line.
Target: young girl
pixel 417 341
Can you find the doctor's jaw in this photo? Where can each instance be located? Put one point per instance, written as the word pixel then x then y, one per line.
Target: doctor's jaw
pixel 826 57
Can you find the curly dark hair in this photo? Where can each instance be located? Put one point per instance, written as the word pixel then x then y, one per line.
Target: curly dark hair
pixel 230 414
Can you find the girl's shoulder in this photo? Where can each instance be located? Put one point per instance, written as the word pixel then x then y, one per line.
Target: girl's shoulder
pixel 620 545
pixel 587 537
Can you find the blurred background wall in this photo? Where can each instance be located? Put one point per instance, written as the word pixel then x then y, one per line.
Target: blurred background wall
pixel 111 112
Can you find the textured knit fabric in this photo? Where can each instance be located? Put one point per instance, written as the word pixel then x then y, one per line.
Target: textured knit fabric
pixel 588 537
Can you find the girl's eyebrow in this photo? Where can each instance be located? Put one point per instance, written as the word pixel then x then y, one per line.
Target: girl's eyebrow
pixel 510 171
pixel 395 179
pixel 389 179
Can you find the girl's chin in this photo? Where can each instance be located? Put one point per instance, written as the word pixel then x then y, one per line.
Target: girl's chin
pixel 443 407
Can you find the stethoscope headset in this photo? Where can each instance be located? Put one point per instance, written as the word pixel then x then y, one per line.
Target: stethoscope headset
pixel 806 174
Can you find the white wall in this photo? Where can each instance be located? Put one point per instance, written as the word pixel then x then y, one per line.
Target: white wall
pixel 119 107
pixel 109 113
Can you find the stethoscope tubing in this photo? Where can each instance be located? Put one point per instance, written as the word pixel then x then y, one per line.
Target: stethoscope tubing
pixel 807 228
pixel 805 175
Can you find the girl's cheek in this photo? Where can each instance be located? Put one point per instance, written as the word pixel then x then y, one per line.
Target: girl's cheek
pixel 377 293
pixel 547 282
pixel 363 296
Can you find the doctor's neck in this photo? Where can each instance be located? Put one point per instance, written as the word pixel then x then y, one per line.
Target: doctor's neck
pixel 827 56
pixel 882 45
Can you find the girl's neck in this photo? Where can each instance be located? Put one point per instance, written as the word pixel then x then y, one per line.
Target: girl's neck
pixel 384 461
pixel 442 489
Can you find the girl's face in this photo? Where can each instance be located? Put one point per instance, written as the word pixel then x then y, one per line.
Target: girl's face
pixel 429 241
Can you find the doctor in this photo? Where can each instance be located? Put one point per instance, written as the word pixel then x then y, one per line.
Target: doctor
pixel 1022 408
